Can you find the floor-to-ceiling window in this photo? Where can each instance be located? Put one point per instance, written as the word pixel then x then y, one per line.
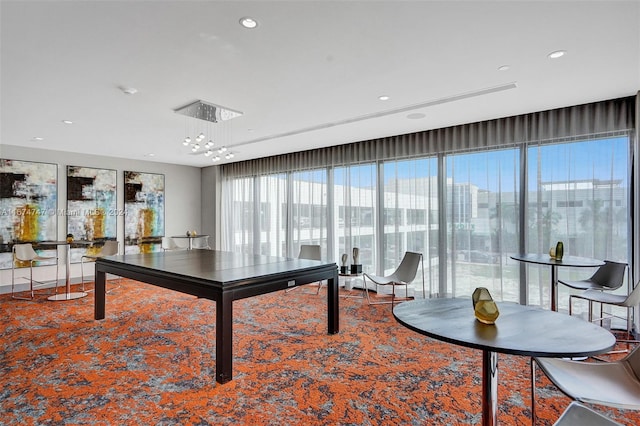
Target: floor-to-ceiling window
pixel 309 210
pixel 577 193
pixel 240 214
pixel 482 222
pixel 354 210
pixel 410 215
pixel 270 222
pixel 256 215
pixel 466 209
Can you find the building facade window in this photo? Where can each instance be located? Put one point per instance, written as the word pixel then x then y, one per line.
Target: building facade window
pixel 462 209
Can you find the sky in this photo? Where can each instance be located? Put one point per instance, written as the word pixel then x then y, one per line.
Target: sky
pixel 493 170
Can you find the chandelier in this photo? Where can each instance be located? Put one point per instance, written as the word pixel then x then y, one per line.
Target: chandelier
pixel 211 128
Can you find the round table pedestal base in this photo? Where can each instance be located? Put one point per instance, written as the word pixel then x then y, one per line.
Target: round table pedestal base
pixel 67 296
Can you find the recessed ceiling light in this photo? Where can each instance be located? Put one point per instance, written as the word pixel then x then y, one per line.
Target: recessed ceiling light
pixel 37 139
pixel 383 98
pixel 67 121
pixel 248 22
pixel 503 67
pixel 151 154
pixel 128 90
pixel 416 116
pixel 557 54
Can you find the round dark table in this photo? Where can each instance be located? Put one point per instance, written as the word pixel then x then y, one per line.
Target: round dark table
pixel 519 330
pixel 545 259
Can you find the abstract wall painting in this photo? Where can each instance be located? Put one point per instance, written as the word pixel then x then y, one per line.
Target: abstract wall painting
pixel 28 204
pixel 144 211
pixel 91 213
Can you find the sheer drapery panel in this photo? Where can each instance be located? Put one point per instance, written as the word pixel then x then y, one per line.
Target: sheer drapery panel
pixel 482 222
pixel 571 166
pixel 309 210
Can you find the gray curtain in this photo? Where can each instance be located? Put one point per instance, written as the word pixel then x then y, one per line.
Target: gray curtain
pixel 571 122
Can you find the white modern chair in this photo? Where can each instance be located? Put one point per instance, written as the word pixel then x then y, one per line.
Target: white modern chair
pixel 201 243
pixel 613 384
pixel 579 415
pixel 629 302
pixel 609 276
pixel 109 248
pixel 169 244
pixel 402 276
pixel 310 252
pixel 26 253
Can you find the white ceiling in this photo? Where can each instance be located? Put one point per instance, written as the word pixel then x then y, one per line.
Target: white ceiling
pixel 308 76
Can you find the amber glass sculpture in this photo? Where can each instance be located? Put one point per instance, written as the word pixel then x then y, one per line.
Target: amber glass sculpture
pixel 484 307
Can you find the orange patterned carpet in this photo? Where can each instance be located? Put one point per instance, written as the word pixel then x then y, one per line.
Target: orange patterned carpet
pixel 151 362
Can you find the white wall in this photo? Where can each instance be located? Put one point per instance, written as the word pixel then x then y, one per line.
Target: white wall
pixel 183 192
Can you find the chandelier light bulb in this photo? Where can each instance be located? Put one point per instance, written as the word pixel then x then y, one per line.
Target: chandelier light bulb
pixel 216 158
pixel 187 141
pixel 208 144
pixel 230 155
pixel 195 147
pixel 208 153
pixel 200 137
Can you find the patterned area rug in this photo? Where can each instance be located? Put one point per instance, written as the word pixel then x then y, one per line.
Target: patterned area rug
pixel 152 361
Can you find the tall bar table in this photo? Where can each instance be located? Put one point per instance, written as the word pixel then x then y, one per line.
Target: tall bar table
pixel 545 259
pixel 68 294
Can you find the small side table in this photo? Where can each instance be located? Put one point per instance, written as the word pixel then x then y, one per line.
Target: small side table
pixel 348 285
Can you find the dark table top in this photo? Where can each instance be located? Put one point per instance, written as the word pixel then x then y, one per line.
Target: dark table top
pixel 519 330
pixel 214 266
pixel 545 259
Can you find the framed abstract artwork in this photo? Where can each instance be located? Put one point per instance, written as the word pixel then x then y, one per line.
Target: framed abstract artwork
pixel 28 204
pixel 92 213
pixel 143 211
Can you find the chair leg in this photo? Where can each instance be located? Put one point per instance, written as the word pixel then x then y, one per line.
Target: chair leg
pixel 393 295
pixel 13 281
pixel 82 271
pixel 366 289
pixel 57 273
pixel 570 304
pixel 602 315
pixel 533 391
pixel 31 280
